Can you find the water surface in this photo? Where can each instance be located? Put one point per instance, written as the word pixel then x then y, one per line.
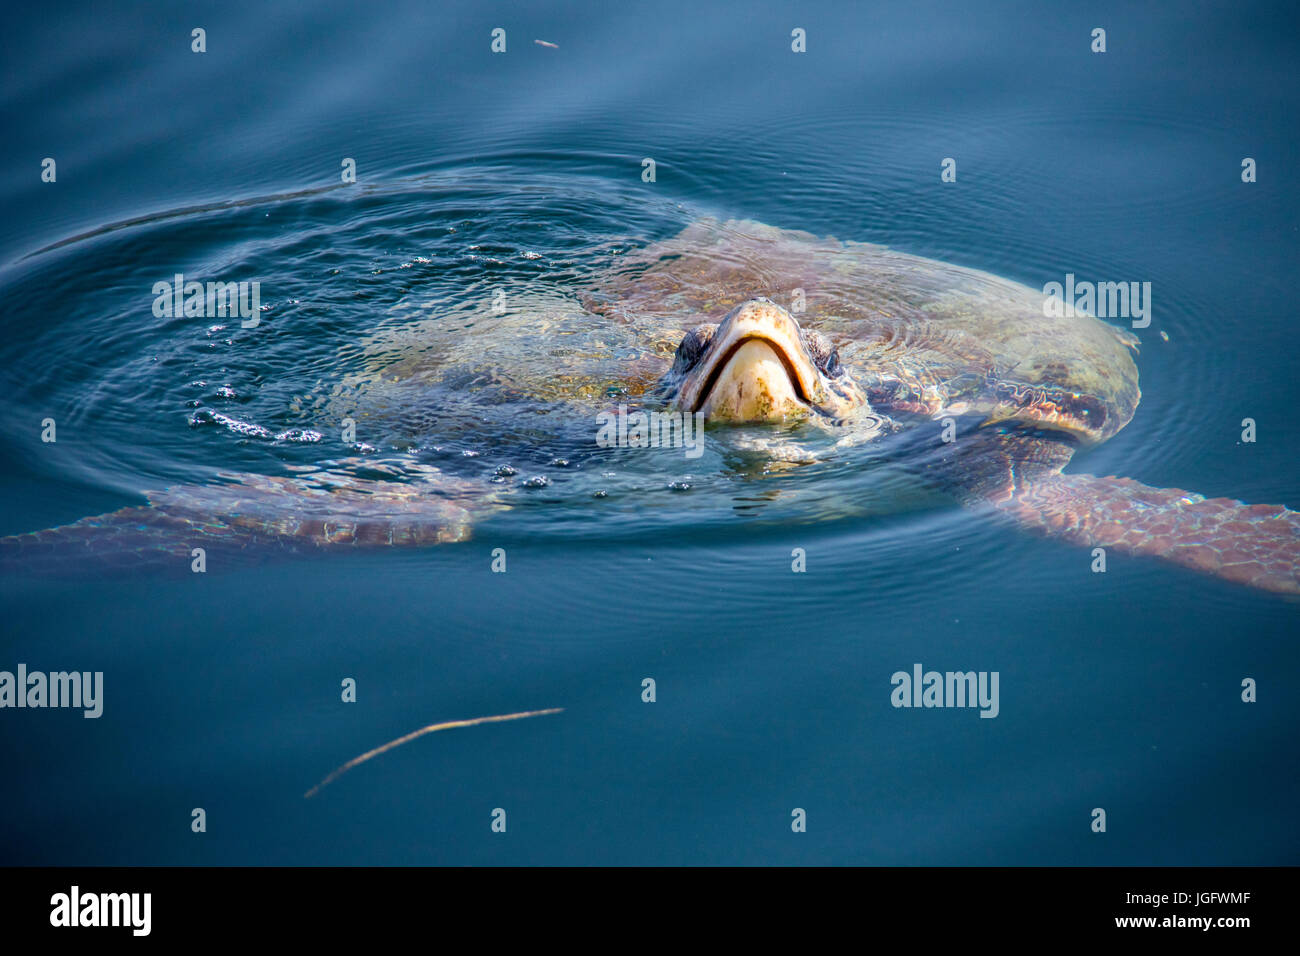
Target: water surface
pixel 476 171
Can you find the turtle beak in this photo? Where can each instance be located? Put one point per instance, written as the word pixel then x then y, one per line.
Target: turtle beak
pixel 756 369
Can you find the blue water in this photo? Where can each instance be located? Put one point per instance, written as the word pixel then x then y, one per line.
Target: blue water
pixel 222 691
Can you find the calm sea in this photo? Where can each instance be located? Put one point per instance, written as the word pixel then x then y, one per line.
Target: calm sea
pixel 523 169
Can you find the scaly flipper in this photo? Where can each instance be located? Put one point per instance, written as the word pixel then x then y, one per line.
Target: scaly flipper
pixel 1017 472
pixel 407 505
pixel 1255 545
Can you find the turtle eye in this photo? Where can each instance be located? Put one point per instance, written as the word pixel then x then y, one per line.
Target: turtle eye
pixel 824 355
pixel 693 345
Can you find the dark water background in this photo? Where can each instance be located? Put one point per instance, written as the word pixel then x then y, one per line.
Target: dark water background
pixel 1118 691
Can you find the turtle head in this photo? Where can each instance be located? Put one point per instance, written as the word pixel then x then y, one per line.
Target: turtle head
pixel 758 365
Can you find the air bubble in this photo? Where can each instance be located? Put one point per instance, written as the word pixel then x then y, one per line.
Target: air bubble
pixel 299 435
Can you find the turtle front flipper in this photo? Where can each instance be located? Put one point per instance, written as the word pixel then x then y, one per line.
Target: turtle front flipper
pixel 252 517
pixel 1255 545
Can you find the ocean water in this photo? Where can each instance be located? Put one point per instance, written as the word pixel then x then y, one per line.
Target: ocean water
pixel 522 170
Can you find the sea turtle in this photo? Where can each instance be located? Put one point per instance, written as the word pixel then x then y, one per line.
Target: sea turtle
pixel 955 375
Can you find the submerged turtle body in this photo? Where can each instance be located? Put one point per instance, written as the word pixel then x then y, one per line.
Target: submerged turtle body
pixel 957 374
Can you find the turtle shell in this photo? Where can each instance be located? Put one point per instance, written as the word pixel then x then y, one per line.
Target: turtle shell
pixel 922 337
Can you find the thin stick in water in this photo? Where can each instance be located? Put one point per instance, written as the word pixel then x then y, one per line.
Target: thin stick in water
pixel 448 725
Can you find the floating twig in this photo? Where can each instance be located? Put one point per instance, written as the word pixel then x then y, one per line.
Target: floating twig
pixel 447 725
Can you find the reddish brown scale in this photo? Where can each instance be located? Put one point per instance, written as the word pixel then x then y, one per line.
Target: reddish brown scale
pixel 1237 527
pixel 1237 555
